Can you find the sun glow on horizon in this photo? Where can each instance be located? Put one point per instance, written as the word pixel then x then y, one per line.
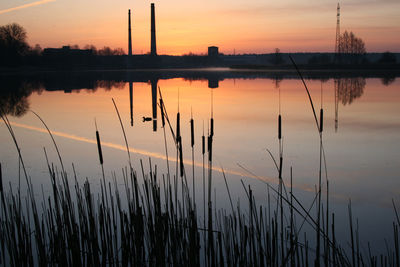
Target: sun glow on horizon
pixel 181 28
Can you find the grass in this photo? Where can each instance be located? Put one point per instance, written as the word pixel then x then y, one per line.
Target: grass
pixel 156 222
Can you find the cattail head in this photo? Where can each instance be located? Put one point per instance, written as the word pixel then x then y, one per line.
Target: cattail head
pixel 99 145
pixel 192 132
pixel 321 120
pixel 178 125
pixel 162 112
pixel 181 159
pixel 203 144
pixel 179 144
pixel 210 147
pixel 279 127
pixel 212 127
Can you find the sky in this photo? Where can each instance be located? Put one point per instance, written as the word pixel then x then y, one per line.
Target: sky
pixel 235 26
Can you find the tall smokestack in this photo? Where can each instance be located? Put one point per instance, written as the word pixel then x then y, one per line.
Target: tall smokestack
pixel 153 32
pixel 129 34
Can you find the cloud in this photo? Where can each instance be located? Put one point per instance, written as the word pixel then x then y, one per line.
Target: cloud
pixel 41 2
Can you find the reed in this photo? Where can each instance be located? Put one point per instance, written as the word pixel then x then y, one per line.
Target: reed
pixel 52 138
pixel 192 146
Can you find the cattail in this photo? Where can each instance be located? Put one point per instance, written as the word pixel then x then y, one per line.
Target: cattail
pixel 178 125
pixel 192 131
pixel 321 120
pixel 212 127
pixel 99 145
pixel 203 144
pixel 192 144
pixel 279 127
pixel 162 112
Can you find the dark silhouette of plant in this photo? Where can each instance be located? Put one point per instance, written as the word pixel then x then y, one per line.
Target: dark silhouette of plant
pixel 351 48
pixel 13 45
pixel 277 57
pixel 107 51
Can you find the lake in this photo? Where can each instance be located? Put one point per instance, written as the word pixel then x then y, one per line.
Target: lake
pixel 360 137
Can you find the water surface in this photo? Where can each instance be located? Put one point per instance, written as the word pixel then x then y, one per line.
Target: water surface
pixel 361 135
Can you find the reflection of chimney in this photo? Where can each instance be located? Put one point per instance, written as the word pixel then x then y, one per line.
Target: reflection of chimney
pixel 131 101
pixel 154 103
pixel 213 83
pixel 153 31
pixel 129 34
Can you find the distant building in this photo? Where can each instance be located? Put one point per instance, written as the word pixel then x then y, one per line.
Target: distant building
pixel 213 51
pixel 67 51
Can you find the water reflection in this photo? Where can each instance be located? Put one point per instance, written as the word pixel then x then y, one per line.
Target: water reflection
pixel 277 80
pixel 14 96
pixel 388 80
pixel 154 103
pixel 131 101
pixel 346 91
pixel 350 89
pixel 15 91
pixel 246 110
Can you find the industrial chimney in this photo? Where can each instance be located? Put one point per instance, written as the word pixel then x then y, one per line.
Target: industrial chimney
pixel 129 34
pixel 153 32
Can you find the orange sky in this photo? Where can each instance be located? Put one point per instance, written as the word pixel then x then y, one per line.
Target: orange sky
pixel 244 26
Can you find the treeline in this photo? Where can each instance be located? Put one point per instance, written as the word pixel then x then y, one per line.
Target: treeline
pixel 15 50
pixel 105 51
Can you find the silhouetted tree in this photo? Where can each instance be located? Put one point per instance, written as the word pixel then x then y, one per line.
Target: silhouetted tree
pixel 13 44
pixel 107 51
pixel 36 50
pixel 277 58
pixel 91 47
pixel 351 48
pixel 118 51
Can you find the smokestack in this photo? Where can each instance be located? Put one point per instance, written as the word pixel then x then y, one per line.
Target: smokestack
pixel 153 32
pixel 129 34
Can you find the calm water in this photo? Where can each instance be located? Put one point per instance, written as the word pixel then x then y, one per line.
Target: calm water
pixel 361 136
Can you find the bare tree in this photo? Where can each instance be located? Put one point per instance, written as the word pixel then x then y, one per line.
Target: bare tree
pixel 118 51
pixel 91 47
pixel 351 47
pixel 277 57
pixel 36 50
pixel 107 51
pixel 13 43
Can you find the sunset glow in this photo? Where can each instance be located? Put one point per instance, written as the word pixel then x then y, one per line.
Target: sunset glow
pixel 182 27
